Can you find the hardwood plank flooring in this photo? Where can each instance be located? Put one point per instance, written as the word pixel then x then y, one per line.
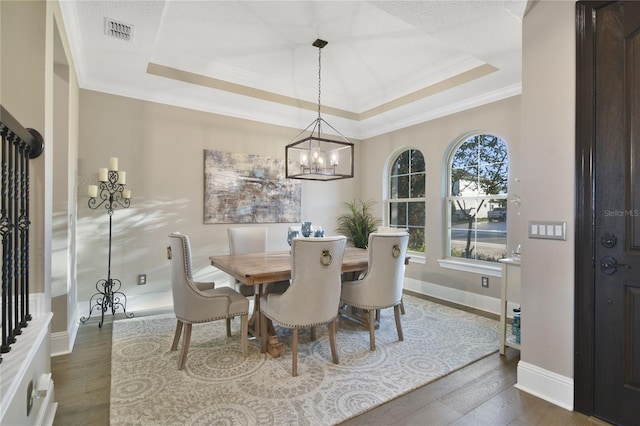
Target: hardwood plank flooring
pixel 479 394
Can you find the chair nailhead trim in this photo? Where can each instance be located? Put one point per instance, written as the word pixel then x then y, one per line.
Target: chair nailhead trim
pixel 301 326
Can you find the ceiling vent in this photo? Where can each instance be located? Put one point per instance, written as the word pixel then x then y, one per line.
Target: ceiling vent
pixel 119 30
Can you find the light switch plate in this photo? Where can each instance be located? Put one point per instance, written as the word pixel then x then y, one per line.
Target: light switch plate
pixel 548 230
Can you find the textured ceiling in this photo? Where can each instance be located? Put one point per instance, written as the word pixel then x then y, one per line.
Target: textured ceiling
pixel 387 65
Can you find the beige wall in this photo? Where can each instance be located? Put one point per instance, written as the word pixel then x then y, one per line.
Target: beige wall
pixel 162 150
pixel 29 89
pixel 548 145
pixel 64 178
pixel 22 88
pixel 435 139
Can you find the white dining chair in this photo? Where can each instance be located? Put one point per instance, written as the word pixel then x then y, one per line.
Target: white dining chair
pixel 391 230
pixel 382 286
pixel 245 240
pixel 197 302
pixel 313 297
pixel 251 239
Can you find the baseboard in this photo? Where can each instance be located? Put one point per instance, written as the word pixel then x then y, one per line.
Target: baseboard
pixel 460 297
pixel 62 341
pixel 537 381
pixel 544 384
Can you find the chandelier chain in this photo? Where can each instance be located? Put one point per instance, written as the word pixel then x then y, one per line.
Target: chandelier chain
pixel 319 77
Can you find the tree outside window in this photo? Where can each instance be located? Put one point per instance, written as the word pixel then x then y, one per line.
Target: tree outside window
pixel 406 203
pixel 477 201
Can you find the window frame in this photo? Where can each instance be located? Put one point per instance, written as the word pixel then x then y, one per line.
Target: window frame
pixel 389 201
pixel 462 263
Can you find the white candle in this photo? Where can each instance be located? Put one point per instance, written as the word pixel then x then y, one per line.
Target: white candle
pixel 122 178
pixel 93 191
pixel 113 164
pixel 102 174
pixel 126 194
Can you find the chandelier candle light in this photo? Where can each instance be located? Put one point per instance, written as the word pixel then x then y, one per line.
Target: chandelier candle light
pixel 111 194
pixel 315 156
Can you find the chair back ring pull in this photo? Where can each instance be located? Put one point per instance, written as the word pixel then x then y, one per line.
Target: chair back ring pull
pixel 395 251
pixel 326 259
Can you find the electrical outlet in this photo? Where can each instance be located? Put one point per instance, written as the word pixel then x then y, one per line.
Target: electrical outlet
pixel 485 282
pixel 142 279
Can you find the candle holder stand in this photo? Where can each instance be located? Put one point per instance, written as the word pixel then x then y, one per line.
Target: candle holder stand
pixel 108 294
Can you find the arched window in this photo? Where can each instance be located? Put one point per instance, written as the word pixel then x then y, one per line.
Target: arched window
pixel 477 200
pixel 406 200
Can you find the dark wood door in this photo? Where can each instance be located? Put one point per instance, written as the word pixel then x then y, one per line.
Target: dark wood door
pixel 615 193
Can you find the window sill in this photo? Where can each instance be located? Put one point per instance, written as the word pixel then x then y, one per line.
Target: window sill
pixel 476 268
pixel 419 258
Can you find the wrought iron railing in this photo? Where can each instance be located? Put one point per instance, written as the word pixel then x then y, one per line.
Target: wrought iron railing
pixel 19 145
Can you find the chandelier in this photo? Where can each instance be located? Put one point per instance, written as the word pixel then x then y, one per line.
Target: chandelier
pixel 315 156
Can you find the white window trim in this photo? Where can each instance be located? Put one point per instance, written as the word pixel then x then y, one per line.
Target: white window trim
pixel 491 269
pixel 416 257
pixel 459 263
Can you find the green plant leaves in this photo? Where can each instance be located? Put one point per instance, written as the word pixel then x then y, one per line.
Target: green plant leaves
pixel 358 222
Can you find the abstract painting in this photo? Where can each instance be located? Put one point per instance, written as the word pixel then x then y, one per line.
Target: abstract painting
pixel 248 188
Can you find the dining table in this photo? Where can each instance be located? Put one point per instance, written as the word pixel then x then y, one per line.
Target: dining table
pixel 260 269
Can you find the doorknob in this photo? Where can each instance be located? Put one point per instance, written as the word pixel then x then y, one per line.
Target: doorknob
pixel 609 265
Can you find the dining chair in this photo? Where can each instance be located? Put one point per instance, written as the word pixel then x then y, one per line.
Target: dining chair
pixel 382 286
pixel 313 297
pixel 391 230
pixel 199 302
pixel 246 240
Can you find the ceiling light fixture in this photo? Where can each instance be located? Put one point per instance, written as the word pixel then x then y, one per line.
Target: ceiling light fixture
pixel 315 156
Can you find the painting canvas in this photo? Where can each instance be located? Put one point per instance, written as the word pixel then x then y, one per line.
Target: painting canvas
pixel 248 188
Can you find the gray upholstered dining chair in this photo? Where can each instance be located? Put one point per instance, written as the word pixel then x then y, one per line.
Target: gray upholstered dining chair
pixel 382 286
pixel 199 302
pixel 244 240
pixel 391 230
pixel 313 297
pixel 251 239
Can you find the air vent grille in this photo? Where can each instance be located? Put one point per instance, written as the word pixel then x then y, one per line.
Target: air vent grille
pixel 119 30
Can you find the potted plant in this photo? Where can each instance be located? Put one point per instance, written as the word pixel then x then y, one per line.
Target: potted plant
pixel 358 222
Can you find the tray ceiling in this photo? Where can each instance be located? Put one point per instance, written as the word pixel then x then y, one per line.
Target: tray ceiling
pixel 387 65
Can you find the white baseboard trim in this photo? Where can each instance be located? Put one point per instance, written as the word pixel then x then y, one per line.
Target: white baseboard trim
pixel 62 341
pixel 544 384
pixel 537 381
pixel 460 297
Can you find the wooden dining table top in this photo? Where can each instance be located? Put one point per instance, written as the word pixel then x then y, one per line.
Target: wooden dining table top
pixel 267 267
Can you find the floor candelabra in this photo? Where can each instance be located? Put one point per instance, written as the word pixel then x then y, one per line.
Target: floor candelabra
pixel 110 193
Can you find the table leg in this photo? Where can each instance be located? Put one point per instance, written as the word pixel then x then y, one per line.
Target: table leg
pixel 254 321
pixel 274 347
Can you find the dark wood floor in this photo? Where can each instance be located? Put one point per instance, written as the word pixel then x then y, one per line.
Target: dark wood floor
pixel 480 394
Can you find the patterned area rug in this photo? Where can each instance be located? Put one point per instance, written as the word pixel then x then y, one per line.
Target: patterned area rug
pixel 218 386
